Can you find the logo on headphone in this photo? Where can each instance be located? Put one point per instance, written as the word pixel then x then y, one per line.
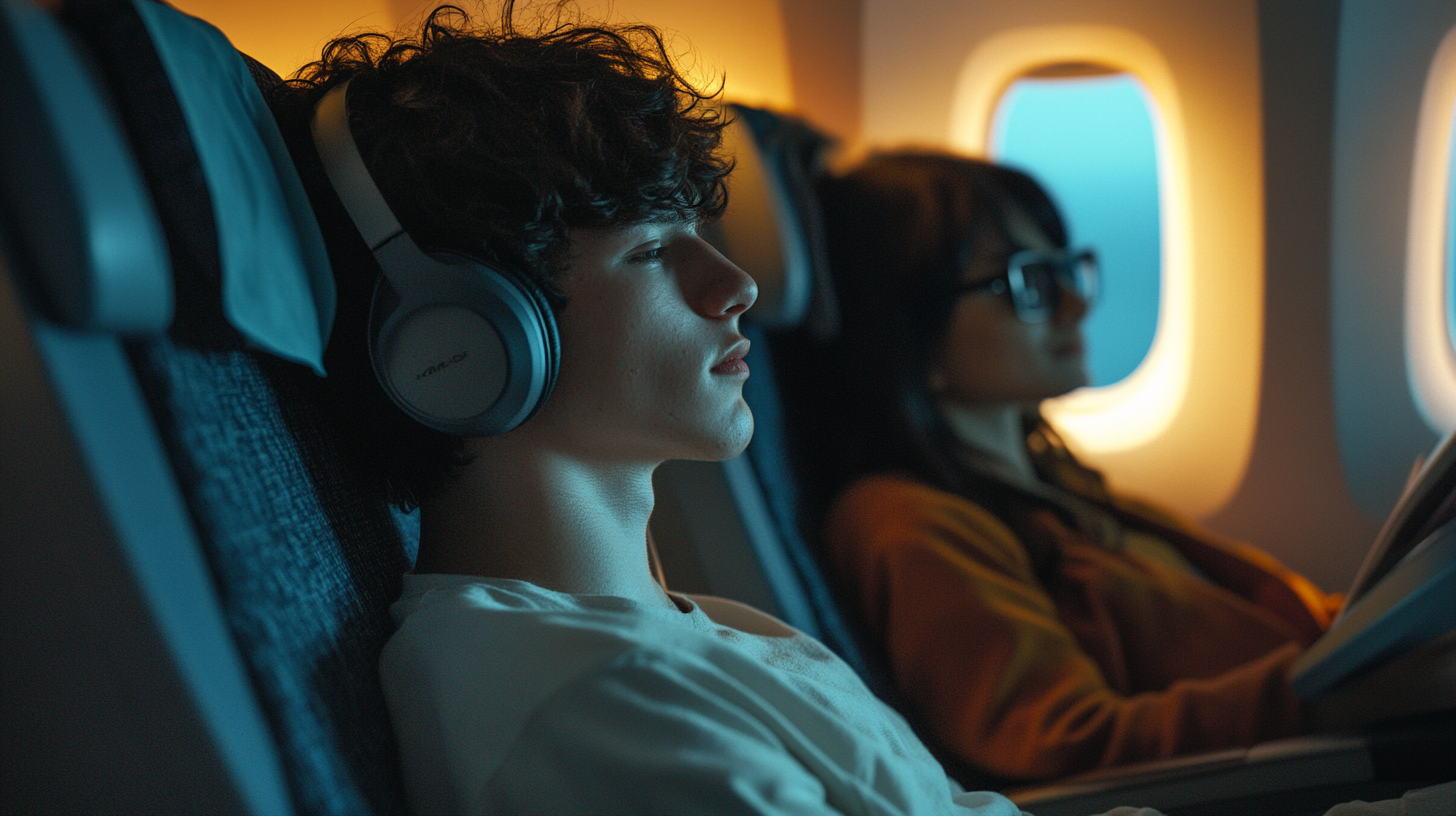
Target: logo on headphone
pixel 441 366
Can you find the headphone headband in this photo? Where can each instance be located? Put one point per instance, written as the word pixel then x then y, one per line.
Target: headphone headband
pixel 346 170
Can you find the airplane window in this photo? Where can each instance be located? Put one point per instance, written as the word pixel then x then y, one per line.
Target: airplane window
pixel 1430 275
pixel 1193 394
pixel 1450 229
pixel 1089 140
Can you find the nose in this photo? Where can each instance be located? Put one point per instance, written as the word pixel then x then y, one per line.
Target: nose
pixel 714 286
pixel 1071 307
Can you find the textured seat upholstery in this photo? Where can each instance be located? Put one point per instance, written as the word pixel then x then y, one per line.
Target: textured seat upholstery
pixel 250 561
pixel 305 564
pixel 306 560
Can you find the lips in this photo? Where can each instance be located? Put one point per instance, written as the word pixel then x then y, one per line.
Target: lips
pixel 732 364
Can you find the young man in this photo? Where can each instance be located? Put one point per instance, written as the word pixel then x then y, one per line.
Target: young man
pixel 538 666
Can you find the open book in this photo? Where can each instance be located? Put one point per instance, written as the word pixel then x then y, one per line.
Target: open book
pixel 1405 591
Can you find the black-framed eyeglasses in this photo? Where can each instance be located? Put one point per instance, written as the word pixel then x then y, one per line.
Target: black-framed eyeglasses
pixel 1036 280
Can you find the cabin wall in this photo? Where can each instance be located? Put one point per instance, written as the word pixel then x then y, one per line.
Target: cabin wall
pixel 800 55
pixel 1339 428
pixel 1383 61
pixel 825 42
pixel 1293 499
pixel 1335 89
pixel 285 34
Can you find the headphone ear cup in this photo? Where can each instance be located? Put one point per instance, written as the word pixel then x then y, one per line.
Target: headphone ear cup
pixel 459 345
pixel 446 362
pixel 550 335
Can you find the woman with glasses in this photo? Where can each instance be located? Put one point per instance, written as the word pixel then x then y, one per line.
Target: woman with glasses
pixel 1036 624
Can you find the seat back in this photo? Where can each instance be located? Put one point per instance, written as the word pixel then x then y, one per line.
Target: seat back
pixel 292 559
pixel 124 690
pixel 738 528
pixel 306 557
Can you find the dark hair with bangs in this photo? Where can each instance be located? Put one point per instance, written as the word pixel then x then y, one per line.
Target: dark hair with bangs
pixel 902 227
pixel 494 141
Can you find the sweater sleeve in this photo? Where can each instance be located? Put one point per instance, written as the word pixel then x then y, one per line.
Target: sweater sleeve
pixel 990 669
pixel 1322 606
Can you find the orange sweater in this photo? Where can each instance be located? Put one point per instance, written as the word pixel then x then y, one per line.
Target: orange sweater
pixel 1122 660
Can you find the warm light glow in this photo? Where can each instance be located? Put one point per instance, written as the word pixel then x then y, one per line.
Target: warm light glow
pixel 1139 408
pixel 286 34
pixel 742 42
pixel 1181 426
pixel 1430 359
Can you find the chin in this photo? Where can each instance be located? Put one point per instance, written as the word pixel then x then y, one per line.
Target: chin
pixel 1074 384
pixel 730 438
pixel 1071 379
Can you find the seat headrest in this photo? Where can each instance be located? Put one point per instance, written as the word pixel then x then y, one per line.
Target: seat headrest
pixel 72 188
pixel 772 227
pixel 277 288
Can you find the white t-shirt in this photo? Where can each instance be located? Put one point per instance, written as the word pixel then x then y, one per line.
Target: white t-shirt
pixel 510 698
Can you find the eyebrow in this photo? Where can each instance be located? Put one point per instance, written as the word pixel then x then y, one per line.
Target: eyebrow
pixel 666 219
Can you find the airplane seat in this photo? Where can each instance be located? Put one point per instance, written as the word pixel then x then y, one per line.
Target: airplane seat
pixel 792 445
pixel 262 564
pixel 745 528
pixel 306 556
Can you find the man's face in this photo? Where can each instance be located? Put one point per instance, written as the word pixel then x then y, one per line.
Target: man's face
pixel 651 357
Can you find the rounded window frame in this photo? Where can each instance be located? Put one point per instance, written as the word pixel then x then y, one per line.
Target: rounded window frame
pixel 1429 351
pixel 1194 398
pixel 997 151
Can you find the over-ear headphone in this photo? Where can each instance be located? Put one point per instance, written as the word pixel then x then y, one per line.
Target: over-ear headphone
pixel 461 345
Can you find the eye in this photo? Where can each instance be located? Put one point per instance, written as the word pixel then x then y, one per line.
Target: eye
pixel 654 255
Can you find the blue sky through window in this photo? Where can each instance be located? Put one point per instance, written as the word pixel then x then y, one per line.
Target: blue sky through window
pixel 1090 142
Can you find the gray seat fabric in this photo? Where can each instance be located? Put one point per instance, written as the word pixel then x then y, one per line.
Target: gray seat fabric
pixel 124 691
pixel 305 557
pixel 306 563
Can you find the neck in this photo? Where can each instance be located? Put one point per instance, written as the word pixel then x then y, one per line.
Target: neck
pixel 533 513
pixel 995 432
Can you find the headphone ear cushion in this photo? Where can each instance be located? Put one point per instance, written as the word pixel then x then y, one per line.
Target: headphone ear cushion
pixel 550 335
pixel 459 345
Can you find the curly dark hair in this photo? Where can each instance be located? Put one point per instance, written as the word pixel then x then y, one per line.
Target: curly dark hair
pixel 494 141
